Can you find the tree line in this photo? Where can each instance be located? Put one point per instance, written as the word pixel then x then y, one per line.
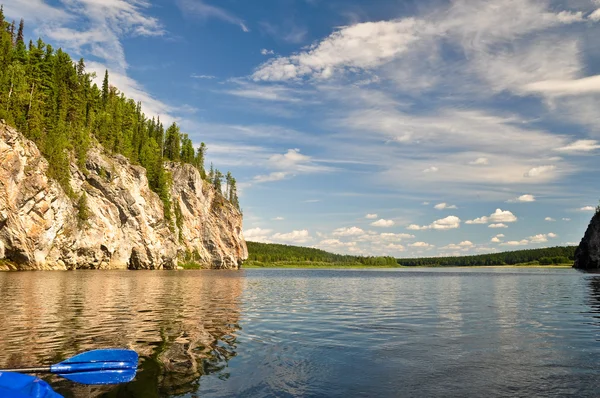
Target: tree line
pixel 271 252
pixel 54 102
pixel 546 256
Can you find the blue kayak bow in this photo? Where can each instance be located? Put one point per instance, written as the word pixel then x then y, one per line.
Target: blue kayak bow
pixel 106 366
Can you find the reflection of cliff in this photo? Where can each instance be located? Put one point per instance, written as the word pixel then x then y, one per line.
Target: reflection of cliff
pixel 594 298
pixel 183 324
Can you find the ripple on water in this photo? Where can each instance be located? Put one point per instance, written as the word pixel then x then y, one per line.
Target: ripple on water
pixel 436 332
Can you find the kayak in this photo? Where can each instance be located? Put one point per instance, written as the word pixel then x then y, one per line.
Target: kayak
pixel 18 385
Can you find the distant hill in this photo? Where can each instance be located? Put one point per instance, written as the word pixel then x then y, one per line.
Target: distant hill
pixel 545 256
pixel 272 253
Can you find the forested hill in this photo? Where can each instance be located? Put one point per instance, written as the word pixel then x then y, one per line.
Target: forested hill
pixel 272 253
pixel 54 102
pixel 546 256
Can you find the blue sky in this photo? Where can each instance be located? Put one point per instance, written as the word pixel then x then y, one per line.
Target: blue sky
pixel 404 128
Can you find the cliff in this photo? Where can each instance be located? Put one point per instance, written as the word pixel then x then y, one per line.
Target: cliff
pixel 119 225
pixel 587 255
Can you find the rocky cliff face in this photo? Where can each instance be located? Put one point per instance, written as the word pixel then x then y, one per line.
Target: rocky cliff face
pixel 587 255
pixel 125 228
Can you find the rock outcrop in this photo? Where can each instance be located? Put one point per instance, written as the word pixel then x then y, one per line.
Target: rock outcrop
pixel 42 227
pixel 587 255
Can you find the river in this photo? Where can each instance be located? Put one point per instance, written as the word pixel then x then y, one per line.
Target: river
pixel 431 332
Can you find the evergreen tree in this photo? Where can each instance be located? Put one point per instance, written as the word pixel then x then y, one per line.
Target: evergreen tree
pixel 105 89
pixel 199 161
pixel 217 181
pixel 20 38
pixel 172 149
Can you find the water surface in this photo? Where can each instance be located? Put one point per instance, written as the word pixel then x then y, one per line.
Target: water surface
pixel 412 333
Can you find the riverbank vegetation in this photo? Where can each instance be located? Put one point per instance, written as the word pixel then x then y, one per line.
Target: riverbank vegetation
pixel 265 255
pixel 269 253
pixel 55 103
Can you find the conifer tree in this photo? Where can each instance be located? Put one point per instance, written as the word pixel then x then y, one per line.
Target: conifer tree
pixel 105 89
pixel 199 161
pixel 20 38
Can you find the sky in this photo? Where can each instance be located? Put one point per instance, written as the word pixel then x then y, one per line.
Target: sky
pixel 403 128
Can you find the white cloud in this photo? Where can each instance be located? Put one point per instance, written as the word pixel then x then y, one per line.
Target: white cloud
pixel 540 238
pixel 523 199
pixel 383 223
pixel 422 245
pixel 296 237
pixel 371 216
pixel 278 219
pixel 264 51
pixel 395 247
pixel 442 206
pixel 392 236
pixel 294 161
pixel 580 146
pixel 208 77
pixel 516 243
pixel 480 162
pixel 257 235
pixel 450 222
pixel 480 220
pixel 502 216
pixel 499 216
pixel 275 176
pixel 497 238
pixel 352 231
pixel 587 208
pixel 100 26
pixel 271 93
pixel 202 10
pixel 549 219
pixel 537 171
pixel 500 225
pixel 425 203
pixel 566 219
pixel 431 169
pixel 586 85
pixel 364 45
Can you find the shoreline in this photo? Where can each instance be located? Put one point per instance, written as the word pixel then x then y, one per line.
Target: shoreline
pixel 362 266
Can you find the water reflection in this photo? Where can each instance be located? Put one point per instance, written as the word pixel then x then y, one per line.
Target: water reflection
pixel 183 324
pixel 594 298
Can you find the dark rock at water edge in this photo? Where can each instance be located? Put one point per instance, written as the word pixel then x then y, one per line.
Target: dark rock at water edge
pixel 587 255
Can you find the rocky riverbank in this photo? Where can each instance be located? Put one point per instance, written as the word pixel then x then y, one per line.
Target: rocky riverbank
pixel 587 255
pixel 111 219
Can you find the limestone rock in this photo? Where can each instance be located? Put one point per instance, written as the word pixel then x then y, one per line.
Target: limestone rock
pixel 587 255
pixel 125 227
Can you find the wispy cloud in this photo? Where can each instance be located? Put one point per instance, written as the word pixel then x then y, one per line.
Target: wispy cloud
pixel 197 76
pixel 201 9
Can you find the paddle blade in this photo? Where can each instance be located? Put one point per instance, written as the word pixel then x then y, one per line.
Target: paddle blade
pixel 104 355
pixel 106 366
pixel 101 376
